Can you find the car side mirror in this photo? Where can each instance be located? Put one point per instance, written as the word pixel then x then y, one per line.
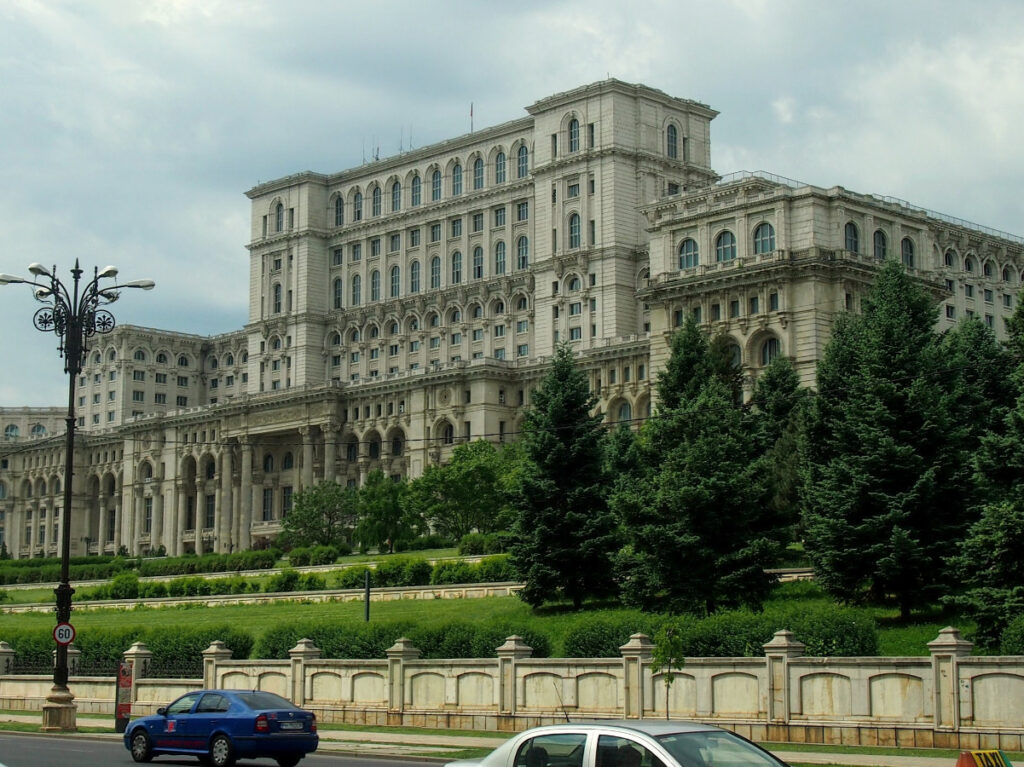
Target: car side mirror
pixel 162 711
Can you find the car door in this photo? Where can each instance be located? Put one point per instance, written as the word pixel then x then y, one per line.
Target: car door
pixel 556 749
pixel 173 734
pixel 618 751
pixel 209 715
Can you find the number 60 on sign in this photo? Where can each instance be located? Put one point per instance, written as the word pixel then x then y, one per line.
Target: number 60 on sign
pixel 64 633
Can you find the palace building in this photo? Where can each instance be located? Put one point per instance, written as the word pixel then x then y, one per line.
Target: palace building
pixel 410 304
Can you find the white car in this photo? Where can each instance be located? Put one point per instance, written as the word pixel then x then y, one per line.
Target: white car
pixel 638 743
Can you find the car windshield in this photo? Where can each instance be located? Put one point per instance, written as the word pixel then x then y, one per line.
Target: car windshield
pixel 715 748
pixel 257 700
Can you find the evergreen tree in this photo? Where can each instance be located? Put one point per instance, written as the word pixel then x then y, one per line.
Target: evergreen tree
pixel 887 444
pixel 564 533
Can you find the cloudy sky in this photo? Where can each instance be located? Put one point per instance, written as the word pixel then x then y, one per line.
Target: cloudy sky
pixel 130 129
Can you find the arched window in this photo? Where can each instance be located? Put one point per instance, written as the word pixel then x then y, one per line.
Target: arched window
pixel 478 263
pixel 769 350
pixel 183 361
pixel 336 339
pixel 276 343
pixel 213 363
pixel 456 268
pixel 3 491
pixel 339 210
pixel 499 308
pixel 374 332
pixel 97 358
pixel 523 165
pixel 268 463
pixel 907 252
pixel 375 285
pixel 277 299
pixel 969 264
pixel 396 446
pixel 499 168
pixel 374 450
pixel 478 312
pixel 522 304
pixel 396 197
pixel 625 413
pixel 230 360
pixel 574 135
pixel 417 190
pixel 522 253
pixel 879 242
pixel 211 469
pixel 949 258
pixel 689 255
pixel 414 277
pixel 987 269
pixel 478 173
pixel 37 430
pixel 456 316
pixel 433 319
pixel 357 206
pixel 456 180
pixel 448 434
pixel 337 293
pixel 139 356
pixel 375 204
pixel 725 246
pixel 852 237
pixel 575 284
pixel 435 273
pixel 288 462
pixel 499 258
pixel 279 218
pixel 764 238
pixel 161 358
pixel 11 431
pixel 354 336
pixel 357 290
pixel 1007 275
pixel 396 281
pixel 435 186
pixel 574 230
pixel 672 142
pixel 111 355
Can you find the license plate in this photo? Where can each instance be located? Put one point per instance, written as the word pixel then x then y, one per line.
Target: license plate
pixel 291 725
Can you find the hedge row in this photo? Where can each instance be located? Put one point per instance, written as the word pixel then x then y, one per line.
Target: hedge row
pixel 210 563
pixel 48 570
pixel 393 571
pixel 317 555
pixel 484 543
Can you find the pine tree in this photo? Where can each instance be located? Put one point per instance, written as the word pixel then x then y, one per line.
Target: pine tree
pixel 565 535
pixel 886 445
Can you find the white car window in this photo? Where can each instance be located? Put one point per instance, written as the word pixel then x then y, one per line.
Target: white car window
pixel 555 750
pixel 613 751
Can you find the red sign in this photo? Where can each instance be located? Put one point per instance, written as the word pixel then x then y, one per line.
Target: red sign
pixel 64 633
pixel 123 708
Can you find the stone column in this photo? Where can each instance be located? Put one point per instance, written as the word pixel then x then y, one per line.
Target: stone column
pixel 777 653
pixel 32 518
pixel 156 534
pixel 6 658
pixel 330 432
pixel 118 519
pixel 946 650
pixel 223 534
pixel 216 653
pixel 137 517
pixel 510 652
pixel 53 516
pixel 307 457
pixel 200 516
pixel 402 651
pixel 182 517
pixel 302 653
pixel 245 523
pixel 635 653
pixel 101 534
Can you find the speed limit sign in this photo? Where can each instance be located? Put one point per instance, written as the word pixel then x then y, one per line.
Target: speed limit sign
pixel 64 633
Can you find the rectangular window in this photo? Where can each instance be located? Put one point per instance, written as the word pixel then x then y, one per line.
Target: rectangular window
pixel 575 308
pixel 138 396
pixel 394 243
pixel 988 296
pixel 229 381
pixel 286 500
pixel 112 376
pixel 414 346
pixel 575 334
pixel 499 216
pixel 456 339
pixel 478 222
pixel 677 318
pixel 696 314
pixel 574 190
pixel 375 247
pixel 456 227
pixel 969 290
pixel 523 350
pixel 374 354
pixel 499 331
pixel 161 378
pixel 435 342
pixel 773 302
pixel 590 135
pixel 522 326
pixel 337 256
pixel 111 396
pixel 950 312
pixel 754 305
pixel 357 251
pixel 393 350
pixel 990 321
pixel 268 504
pixel 593 232
pixel 435 232
pixel 138 375
pixel 214 383
pixel 96 398
pixel 353 357
pixel 182 401
pixel 522 211
pixel 478 334
pixel 734 308
pixel 499 354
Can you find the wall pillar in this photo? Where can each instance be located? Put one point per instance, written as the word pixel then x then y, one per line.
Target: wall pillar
pixel 138 656
pixel 118 519
pixel 302 653
pixel 777 652
pixel 945 650
pixel 101 534
pixel 307 457
pixel 330 432
pixel 635 653
pixel 217 652
pixel 200 517
pixel 156 533
pixel 137 521
pixel 182 517
pixel 6 658
pixel 510 652
pixel 225 543
pixel 402 651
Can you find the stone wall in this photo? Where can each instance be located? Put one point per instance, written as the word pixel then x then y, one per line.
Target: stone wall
pixel 949 699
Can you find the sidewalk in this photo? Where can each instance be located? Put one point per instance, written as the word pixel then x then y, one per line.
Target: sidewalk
pixel 442 747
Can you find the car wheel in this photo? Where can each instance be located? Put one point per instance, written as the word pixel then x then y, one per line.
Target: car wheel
pixel 142 747
pixel 288 761
pixel 221 752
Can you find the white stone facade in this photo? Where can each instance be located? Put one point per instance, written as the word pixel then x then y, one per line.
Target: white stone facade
pixel 401 307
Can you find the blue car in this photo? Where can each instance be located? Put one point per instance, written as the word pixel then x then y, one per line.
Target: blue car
pixel 220 726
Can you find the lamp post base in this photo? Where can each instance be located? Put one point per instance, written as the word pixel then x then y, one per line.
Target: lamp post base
pixel 59 711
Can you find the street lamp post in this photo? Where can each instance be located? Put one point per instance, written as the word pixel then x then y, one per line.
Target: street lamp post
pixel 74 317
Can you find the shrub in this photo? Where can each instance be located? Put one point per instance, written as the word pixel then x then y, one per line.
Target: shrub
pixel 471 544
pixel 449 640
pixel 829 630
pixel 1012 640
pixel 4 595
pixel 285 580
pixel 323 555
pixel 453 571
pixel 312 582
pixel 299 556
pixel 424 542
pixel 402 571
pixel 495 569
pixel 602 636
pixel 353 577
pixel 152 590
pixel 124 586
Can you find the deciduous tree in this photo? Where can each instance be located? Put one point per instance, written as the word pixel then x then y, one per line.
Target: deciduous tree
pixel 321 515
